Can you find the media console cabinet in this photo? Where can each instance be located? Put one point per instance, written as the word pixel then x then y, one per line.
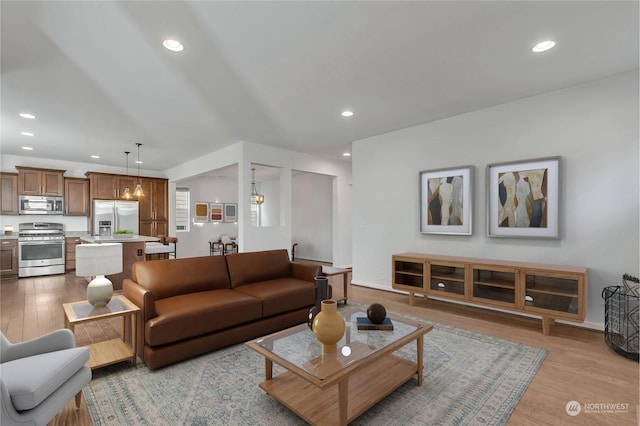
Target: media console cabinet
pixel 549 291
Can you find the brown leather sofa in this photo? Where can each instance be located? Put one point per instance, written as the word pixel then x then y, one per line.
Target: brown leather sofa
pixel 192 306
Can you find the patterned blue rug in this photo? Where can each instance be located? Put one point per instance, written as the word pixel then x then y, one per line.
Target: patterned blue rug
pixel 469 379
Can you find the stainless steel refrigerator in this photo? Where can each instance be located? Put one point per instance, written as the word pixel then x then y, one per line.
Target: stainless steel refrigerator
pixel 111 216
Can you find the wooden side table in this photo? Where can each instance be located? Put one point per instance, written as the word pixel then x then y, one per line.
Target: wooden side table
pixel 330 271
pixel 110 351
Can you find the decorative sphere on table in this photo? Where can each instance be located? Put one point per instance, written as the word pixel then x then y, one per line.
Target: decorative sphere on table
pixel 376 313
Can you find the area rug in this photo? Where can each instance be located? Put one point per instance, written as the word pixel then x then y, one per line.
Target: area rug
pixel 469 379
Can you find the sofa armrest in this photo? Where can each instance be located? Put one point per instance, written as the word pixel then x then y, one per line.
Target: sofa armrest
pixel 141 297
pixel 304 271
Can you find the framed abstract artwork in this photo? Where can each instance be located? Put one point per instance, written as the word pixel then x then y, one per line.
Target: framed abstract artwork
pixel 231 212
pixel 445 201
pixel 201 212
pixel 215 212
pixel 523 198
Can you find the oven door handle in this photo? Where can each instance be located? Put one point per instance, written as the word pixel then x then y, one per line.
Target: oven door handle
pixel 32 243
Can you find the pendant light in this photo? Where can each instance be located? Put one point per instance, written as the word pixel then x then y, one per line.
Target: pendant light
pixel 138 192
pixel 127 192
pixel 259 198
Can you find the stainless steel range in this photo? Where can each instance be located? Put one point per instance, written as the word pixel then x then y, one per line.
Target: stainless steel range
pixel 40 249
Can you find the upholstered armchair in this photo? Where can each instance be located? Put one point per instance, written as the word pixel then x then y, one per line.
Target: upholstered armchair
pixel 38 377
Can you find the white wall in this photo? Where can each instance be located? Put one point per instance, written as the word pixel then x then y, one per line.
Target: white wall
pixel 312 216
pixel 593 127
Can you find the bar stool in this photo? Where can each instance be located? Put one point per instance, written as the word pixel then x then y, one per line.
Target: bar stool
pixel 216 248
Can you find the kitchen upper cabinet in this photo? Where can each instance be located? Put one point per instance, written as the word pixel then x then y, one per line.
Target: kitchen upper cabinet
pixel 106 186
pixel 33 181
pixel 103 186
pixel 76 197
pixel 9 196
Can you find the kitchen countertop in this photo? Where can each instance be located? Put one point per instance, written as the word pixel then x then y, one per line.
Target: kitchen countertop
pixel 118 239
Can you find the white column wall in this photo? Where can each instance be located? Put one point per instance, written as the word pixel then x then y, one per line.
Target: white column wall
pixel 593 127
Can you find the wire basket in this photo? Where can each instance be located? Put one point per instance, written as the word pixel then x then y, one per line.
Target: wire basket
pixel 621 321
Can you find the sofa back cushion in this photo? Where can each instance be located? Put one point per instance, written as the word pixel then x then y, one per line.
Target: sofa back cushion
pixel 168 278
pixel 251 267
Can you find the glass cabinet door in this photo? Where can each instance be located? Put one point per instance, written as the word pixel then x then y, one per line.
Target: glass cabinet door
pixel 494 285
pixel 551 293
pixel 446 278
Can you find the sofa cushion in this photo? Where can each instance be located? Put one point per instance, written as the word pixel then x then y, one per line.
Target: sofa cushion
pixel 281 295
pixel 190 315
pixel 32 379
pixel 252 267
pixel 168 278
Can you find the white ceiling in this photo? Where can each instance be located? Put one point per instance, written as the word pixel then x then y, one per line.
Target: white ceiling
pixel 279 73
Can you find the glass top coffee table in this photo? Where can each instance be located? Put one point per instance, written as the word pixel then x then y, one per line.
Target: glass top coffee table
pixel 337 388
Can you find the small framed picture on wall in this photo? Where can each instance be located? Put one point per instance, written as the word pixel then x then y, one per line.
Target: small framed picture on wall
pixel 215 212
pixel 445 201
pixel 201 212
pixel 231 212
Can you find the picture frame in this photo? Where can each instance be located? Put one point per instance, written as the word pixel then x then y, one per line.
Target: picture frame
pixel 523 198
pixel 446 195
pixel 216 212
pixel 230 212
pixel 201 212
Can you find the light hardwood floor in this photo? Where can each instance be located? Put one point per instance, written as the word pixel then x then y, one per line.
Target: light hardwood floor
pixel 579 365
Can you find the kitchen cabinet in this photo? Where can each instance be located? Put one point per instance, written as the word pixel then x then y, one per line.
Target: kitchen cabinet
pixel 154 207
pixel 9 196
pixel 549 291
pixel 153 228
pixel 9 257
pixel 105 186
pixel 70 244
pixel 76 197
pixel 33 181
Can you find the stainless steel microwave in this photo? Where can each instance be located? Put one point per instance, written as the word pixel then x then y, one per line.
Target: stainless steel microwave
pixel 36 204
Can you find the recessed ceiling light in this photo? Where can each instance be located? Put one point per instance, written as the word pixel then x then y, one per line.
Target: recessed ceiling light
pixel 27 134
pixel 139 162
pixel 543 46
pixel 346 154
pixel 27 115
pixel 347 113
pixel 173 45
pixel 27 148
pixel 95 156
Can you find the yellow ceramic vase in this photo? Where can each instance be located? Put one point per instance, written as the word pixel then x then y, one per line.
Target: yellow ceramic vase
pixel 329 326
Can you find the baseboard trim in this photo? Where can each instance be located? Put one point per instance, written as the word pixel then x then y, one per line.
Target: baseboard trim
pixel 586 324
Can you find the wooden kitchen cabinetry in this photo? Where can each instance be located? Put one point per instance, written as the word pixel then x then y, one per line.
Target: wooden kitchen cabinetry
pixel 70 244
pixel 105 186
pixel 9 257
pixel 549 291
pixel 154 207
pixel 76 197
pixel 9 196
pixel 33 181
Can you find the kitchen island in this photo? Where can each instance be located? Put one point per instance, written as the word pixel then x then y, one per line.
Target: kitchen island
pixel 133 250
